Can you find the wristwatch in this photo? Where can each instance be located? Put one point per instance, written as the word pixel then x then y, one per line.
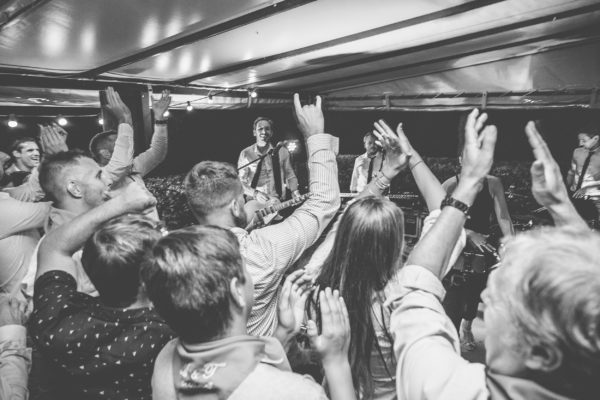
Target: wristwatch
pixel 452 202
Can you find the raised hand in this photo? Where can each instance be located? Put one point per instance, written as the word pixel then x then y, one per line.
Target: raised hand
pixel 333 342
pixel 309 118
pixel 12 310
pixel 136 198
pixel 53 139
pixel 478 153
pixel 547 185
pixel 161 105
pixel 292 299
pixel 117 107
pixel 396 145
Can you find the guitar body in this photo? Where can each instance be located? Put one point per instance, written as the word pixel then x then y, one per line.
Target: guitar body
pixel 260 214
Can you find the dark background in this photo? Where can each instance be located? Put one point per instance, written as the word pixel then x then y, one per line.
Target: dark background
pixel 221 135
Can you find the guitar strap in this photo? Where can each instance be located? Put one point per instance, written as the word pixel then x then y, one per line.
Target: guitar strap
pixel 277 173
pixel 254 182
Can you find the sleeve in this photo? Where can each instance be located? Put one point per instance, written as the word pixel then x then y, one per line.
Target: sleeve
pixel 290 176
pixel 15 363
pixel 354 180
pixel 426 344
pixel 122 156
pixel 245 174
pixel 52 303
pixel 458 247
pixel 17 216
pixel 282 244
pixel 151 158
pixel 30 191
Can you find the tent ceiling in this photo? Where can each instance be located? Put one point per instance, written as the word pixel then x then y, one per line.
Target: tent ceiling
pixel 346 49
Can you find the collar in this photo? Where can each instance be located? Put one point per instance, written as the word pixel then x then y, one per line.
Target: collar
pixel 257 151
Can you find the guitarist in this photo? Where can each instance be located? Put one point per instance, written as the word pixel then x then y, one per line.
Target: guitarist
pixel 267 179
pixel 583 179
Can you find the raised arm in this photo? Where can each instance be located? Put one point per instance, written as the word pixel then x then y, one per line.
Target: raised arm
pixel 500 206
pixel 145 162
pixel 433 251
pixel 547 185
pixel 121 159
pixel 57 248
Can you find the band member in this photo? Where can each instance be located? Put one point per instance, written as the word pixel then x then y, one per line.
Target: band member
pixel 466 281
pixel 583 179
pixel 367 166
pixel 268 178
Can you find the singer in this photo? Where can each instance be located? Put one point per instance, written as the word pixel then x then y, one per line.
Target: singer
pixel 267 179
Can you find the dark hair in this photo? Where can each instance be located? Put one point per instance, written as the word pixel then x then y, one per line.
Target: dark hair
pixel 590 129
pixel 269 120
pixel 99 142
pixel 112 257
pixel 211 185
pixel 188 278
pixel 17 145
pixel 51 170
pixel 366 254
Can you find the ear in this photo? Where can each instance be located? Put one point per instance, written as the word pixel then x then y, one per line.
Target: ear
pixel 16 154
pixel 74 190
pixel 543 357
pixel 236 289
pixel 236 208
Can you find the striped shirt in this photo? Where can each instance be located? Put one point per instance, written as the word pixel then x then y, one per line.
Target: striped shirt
pixel 270 251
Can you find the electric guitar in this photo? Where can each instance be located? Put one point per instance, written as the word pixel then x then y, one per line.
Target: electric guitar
pixel 262 216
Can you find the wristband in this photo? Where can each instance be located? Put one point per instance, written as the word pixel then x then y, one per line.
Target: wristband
pixel 161 122
pixel 459 205
pixel 418 162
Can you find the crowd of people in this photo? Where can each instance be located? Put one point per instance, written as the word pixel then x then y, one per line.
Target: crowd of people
pixel 99 301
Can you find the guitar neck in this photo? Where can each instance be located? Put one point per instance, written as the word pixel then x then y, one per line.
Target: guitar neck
pixel 281 206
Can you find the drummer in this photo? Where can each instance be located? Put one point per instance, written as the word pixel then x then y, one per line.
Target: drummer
pixel 468 278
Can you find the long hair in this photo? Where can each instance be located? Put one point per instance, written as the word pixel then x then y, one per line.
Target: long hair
pixel 366 254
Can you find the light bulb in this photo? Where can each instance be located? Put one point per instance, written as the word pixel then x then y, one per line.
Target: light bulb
pixel 12 121
pixel 210 98
pixel 100 121
pixel 253 94
pixel 189 106
pixel 62 121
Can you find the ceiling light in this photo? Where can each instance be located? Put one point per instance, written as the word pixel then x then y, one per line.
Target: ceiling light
pixel 62 121
pixel 210 98
pixel 100 121
pixel 189 106
pixel 253 93
pixel 12 121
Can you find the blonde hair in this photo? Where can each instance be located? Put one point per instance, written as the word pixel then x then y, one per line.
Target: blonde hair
pixel 554 297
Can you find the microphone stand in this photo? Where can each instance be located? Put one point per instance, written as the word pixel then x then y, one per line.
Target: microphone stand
pixel 268 153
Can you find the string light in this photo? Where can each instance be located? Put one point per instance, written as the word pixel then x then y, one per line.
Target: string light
pixel 62 121
pixel 12 121
pixel 189 106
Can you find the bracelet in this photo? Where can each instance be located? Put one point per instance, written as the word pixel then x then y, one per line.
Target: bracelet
pixel 161 121
pixel 418 162
pixel 459 205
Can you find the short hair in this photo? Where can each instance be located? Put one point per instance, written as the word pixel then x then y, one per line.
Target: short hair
pixel 52 169
pixel 113 255
pixel 17 145
pixel 99 142
pixel 591 129
pixel 554 274
pixel 257 120
pixel 188 277
pixel 368 135
pixel 211 185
